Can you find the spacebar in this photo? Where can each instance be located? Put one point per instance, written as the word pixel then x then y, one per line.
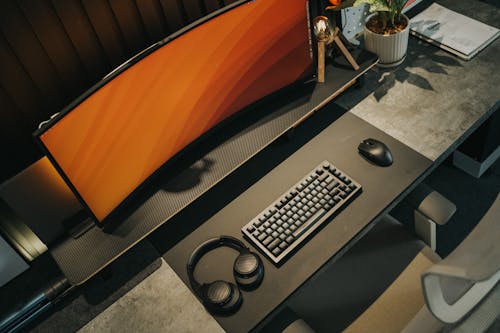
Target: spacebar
pixel 303 228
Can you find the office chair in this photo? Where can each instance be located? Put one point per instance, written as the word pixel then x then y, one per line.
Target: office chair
pixel 392 282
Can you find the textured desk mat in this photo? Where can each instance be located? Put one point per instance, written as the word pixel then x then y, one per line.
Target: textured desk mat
pixel 338 144
pixel 80 258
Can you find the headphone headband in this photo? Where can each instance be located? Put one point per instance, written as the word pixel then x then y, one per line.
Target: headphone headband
pixel 207 246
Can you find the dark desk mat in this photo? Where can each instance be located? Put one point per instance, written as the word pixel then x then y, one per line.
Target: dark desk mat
pixel 82 257
pixel 338 144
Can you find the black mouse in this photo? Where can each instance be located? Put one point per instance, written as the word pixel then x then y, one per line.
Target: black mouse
pixel 376 152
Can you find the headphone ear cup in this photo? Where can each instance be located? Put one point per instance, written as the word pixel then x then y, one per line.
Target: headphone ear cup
pixel 222 297
pixel 248 270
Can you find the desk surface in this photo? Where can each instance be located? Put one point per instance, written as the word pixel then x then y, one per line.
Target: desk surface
pixel 337 144
pixel 434 100
pixel 432 84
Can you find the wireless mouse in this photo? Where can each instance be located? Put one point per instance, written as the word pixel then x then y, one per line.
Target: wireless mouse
pixel 376 152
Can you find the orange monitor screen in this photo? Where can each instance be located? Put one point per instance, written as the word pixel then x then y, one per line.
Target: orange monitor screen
pixel 116 137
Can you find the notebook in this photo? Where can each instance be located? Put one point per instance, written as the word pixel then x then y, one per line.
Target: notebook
pixel 453 32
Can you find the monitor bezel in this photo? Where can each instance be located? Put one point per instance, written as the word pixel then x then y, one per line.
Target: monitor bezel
pixel 311 10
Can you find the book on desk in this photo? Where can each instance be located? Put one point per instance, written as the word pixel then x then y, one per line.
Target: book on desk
pixel 453 32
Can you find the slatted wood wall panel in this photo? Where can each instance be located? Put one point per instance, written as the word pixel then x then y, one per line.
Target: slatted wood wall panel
pixel 51 51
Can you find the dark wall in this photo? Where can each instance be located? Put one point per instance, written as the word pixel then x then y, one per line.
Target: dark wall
pixel 51 51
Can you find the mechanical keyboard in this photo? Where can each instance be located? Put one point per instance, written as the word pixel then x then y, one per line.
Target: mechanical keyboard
pixel 286 224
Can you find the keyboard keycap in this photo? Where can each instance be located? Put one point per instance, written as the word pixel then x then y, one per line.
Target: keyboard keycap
pixel 309 224
pixel 331 186
pixel 273 244
pixel 267 241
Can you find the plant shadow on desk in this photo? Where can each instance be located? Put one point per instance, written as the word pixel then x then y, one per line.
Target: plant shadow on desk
pixel 421 55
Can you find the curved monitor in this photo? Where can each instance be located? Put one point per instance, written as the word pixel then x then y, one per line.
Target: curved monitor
pixel 120 132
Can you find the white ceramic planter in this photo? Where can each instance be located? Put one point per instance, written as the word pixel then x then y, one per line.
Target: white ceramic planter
pixel 391 49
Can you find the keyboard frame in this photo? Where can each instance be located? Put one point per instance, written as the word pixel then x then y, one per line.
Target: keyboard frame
pixel 301 240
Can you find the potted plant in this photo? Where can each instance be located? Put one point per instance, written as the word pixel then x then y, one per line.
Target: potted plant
pixel 386 31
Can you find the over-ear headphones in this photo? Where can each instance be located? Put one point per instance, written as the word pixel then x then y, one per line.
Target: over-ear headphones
pixel 222 297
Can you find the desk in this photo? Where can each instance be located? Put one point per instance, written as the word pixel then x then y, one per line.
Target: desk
pixel 477 92
pixel 337 144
